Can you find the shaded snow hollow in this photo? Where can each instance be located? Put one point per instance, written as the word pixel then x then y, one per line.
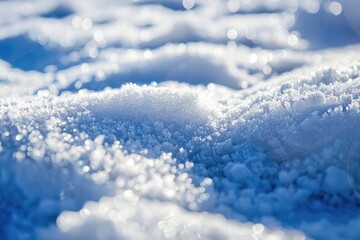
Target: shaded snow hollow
pixel 189 126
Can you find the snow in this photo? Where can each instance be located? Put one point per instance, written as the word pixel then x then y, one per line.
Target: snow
pixel 179 119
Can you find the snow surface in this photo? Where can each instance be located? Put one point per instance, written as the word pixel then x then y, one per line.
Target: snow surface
pixel 175 119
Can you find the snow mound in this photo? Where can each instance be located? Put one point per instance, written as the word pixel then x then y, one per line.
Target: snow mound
pixel 142 104
pixel 182 119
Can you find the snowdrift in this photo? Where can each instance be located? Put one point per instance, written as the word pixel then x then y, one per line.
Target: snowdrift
pixel 179 119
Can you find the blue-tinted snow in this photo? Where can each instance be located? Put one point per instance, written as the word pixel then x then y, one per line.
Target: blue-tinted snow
pixel 176 119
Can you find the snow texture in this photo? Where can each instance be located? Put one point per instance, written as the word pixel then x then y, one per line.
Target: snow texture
pixel 176 119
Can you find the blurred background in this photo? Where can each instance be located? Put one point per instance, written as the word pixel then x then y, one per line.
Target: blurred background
pixel 238 42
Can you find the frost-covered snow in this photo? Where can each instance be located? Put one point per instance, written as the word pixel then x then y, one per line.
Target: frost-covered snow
pixel 172 119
